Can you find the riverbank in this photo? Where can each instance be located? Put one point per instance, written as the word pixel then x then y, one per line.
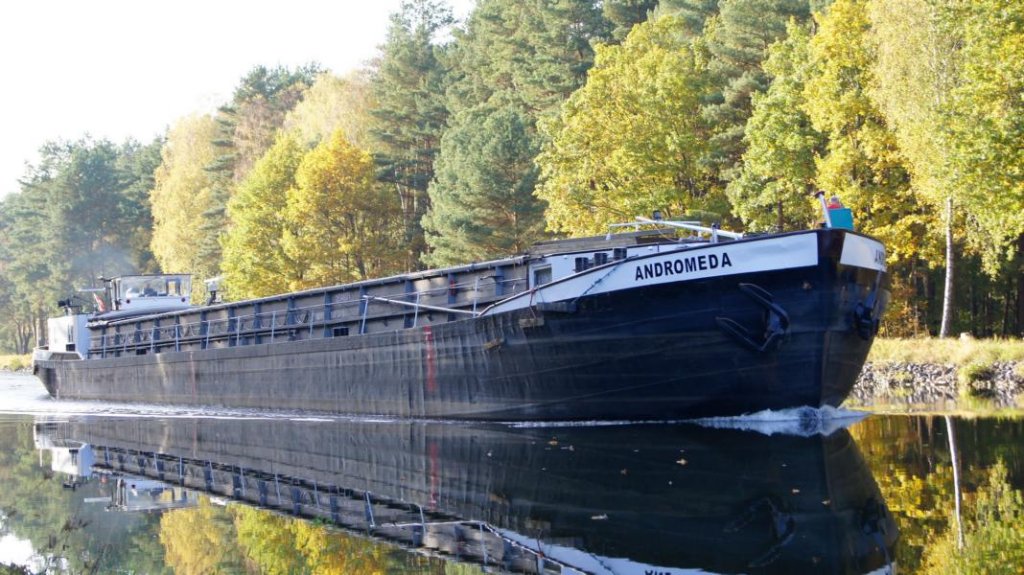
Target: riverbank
pixel 898 384
pixel 949 373
pixel 13 362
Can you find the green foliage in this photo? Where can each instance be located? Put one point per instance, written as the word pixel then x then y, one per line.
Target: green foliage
pixel 778 175
pixel 624 14
pixel 914 70
pixel 988 127
pixel 255 263
pixel 138 163
pixel 516 62
pixel 862 162
pixel 267 540
pixel 200 540
pixel 244 130
pixel 695 13
pixel 333 103
pixel 736 39
pixel 530 54
pixel 261 101
pixel 76 217
pixel 339 224
pixel 410 114
pixel 182 195
pixel 631 140
pixel 993 541
pixel 975 379
pixel 482 203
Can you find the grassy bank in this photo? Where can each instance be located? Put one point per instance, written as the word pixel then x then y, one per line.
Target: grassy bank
pixel 956 351
pixel 14 362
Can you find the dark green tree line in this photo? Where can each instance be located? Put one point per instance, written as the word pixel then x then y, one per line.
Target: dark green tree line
pixel 80 215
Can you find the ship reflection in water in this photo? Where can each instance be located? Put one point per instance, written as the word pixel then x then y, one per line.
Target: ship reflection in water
pixel 607 499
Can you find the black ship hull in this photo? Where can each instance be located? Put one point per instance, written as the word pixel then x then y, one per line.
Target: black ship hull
pixel 718 345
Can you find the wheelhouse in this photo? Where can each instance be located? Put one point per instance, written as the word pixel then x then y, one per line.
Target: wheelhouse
pixel 156 293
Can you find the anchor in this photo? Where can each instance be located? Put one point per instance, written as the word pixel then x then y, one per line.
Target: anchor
pixel 776 322
pixel 865 319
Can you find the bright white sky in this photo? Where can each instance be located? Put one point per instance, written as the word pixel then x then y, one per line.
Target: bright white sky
pixel 129 68
pixel 16 551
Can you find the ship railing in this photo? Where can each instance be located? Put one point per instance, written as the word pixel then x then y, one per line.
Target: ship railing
pixel 360 510
pixel 712 231
pixel 268 326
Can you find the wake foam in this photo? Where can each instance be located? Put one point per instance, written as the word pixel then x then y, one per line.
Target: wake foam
pixel 802 421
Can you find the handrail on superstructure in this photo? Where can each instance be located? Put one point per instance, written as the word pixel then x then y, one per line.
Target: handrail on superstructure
pixel 692 226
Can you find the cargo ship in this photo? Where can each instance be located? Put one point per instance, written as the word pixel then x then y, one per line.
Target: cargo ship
pixel 666 320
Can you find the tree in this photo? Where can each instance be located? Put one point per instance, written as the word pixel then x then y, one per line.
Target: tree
pixel 245 129
pixel 84 203
pixel 76 218
pixel 333 103
pixel 624 14
pixel 267 540
pixel 778 173
pixel 138 163
pixel 255 263
pixel 516 62
pixel 915 71
pixel 260 103
pixel 736 35
pixel 988 127
pixel 200 540
pixel 532 54
pixel 24 300
pixel 993 539
pixel 862 162
pixel 340 226
pixel 695 13
pixel 182 194
pixel 482 201
pixel 409 115
pixel 631 140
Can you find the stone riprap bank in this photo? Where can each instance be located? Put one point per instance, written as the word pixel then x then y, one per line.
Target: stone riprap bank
pixel 898 382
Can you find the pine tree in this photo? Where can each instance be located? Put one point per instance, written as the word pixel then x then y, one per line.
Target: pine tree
pixel 482 201
pixel 409 114
pixel 624 14
pixel 738 42
pixel 516 62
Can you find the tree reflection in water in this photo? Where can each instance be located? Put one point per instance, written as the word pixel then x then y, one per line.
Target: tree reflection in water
pixel 912 461
pixel 909 457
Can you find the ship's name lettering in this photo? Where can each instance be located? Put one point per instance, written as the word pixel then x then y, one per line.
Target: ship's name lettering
pixel 653 572
pixel 681 266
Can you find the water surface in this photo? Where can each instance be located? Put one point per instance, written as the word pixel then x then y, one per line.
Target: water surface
pixel 94 487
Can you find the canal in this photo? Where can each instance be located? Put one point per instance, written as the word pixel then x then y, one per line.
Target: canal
pixel 108 488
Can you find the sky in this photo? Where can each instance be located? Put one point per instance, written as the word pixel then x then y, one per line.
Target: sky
pixel 116 69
